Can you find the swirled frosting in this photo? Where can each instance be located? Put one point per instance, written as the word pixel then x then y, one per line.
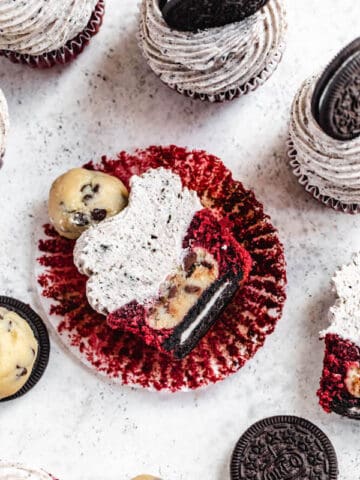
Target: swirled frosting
pixel 4 124
pixel 36 27
pixel 345 314
pixel 333 166
pixel 17 472
pixel 217 60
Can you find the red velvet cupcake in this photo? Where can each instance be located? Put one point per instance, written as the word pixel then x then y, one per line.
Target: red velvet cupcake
pixel 340 383
pixel 43 33
pixel 226 230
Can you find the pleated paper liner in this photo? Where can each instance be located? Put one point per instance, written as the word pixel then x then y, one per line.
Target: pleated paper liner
pixel 330 202
pixel 69 51
pixel 240 330
pixel 15 470
pixel 42 337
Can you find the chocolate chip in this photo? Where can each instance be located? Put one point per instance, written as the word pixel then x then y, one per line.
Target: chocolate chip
pixel 189 261
pixel 80 219
pixel 172 292
pixel 84 187
pixel 86 198
pixel 98 214
pixel 96 188
pixel 207 265
pixel 192 289
pixel 22 371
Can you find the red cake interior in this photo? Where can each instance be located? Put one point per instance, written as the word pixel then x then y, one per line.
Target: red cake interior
pixel 333 394
pixel 241 328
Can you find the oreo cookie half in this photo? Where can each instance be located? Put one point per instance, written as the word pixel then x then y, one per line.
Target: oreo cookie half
pixel 190 15
pixel 284 448
pixel 202 315
pixel 336 98
pixel 42 337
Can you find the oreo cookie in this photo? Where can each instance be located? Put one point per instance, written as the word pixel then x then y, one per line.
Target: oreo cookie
pixel 284 448
pixel 336 98
pixel 42 337
pixel 202 316
pixel 190 15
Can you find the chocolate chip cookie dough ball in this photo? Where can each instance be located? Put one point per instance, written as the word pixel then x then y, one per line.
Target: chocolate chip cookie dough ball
pixel 18 352
pixel 81 198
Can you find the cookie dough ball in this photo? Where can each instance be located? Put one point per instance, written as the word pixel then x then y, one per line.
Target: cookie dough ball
pixel 81 198
pixel 146 477
pixel 18 352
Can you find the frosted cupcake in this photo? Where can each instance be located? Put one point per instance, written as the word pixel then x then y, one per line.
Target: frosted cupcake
pixel 324 144
pixel 9 471
pixel 4 124
pixel 43 33
pixel 340 383
pixel 214 63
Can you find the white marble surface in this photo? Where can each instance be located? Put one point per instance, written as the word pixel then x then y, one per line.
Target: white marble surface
pixel 81 428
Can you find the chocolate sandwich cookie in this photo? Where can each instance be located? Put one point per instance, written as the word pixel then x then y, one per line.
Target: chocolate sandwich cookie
pixel 25 346
pixel 336 98
pixel 187 15
pixel 202 316
pixel 284 448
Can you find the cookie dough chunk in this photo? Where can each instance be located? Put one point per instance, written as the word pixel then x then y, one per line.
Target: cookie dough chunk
pixel 18 352
pixel 81 198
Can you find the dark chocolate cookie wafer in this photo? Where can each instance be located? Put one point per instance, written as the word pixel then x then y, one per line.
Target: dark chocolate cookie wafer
pixel 336 98
pixel 40 333
pixel 284 448
pixel 187 15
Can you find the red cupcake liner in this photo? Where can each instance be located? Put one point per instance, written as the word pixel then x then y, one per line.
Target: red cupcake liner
pixel 330 202
pixel 240 330
pixel 68 52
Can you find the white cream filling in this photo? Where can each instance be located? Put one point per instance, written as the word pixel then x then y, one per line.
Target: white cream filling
pixel 36 27
pixel 215 60
pixel 4 123
pixel 188 332
pixel 333 166
pixel 129 256
pixel 345 314
pixel 14 472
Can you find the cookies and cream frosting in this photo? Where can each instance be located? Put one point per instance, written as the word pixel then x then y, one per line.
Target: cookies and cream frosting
pixel 35 27
pixel 18 352
pixel 4 123
pixel 128 256
pixel 216 60
pixel 330 165
pixel 17 472
pixel 345 314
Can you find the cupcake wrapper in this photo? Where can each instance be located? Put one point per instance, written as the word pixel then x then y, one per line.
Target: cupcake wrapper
pixel 41 334
pixel 68 52
pixel 313 190
pixel 239 331
pixel 244 89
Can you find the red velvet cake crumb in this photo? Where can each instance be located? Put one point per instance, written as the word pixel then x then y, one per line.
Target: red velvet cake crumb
pixel 242 327
pixel 333 394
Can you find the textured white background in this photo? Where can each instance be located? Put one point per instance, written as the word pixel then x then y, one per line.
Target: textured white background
pixel 81 428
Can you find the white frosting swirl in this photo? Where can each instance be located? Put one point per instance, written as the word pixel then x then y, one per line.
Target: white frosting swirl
pixel 36 27
pixel 216 60
pixel 330 165
pixel 17 472
pixel 345 314
pixel 129 256
pixel 4 123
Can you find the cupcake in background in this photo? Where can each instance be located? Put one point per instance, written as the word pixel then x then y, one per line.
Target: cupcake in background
pixel 24 349
pixel 324 141
pixel 4 124
pixel 339 390
pixel 11 471
pixel 44 33
pixel 213 50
